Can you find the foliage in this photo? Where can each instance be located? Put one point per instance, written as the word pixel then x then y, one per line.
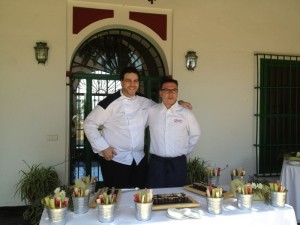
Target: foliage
pixel 197 170
pixel 33 186
pixel 253 179
pixel 259 188
pixel 262 192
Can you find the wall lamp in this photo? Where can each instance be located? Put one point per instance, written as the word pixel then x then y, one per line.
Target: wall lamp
pixel 41 52
pixel 191 60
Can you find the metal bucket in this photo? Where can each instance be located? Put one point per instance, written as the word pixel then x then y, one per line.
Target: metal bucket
pixel 244 201
pixel 278 199
pixel 106 213
pixel 57 216
pixel 81 204
pixel 143 211
pixel 236 177
pixel 214 205
pixel 213 180
pixel 92 188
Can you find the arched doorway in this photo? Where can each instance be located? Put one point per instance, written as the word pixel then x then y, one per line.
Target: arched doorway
pixel 95 70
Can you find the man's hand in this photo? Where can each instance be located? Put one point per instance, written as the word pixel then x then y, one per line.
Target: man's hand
pixel 109 153
pixel 185 104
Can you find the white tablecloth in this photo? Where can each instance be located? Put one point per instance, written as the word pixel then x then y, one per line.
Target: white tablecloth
pixel 290 178
pixel 125 213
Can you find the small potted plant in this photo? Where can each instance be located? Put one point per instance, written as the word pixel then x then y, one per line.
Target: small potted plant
pixel 261 192
pixel 196 170
pixel 260 188
pixel 35 183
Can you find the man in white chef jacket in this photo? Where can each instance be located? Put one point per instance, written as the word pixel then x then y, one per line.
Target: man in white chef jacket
pixel 174 132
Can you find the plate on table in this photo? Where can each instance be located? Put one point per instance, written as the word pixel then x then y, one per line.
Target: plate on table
pixel 292 156
pixel 184 213
pixel 200 188
pixel 294 163
pixel 174 200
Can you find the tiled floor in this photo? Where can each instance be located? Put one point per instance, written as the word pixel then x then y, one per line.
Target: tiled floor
pixel 12 216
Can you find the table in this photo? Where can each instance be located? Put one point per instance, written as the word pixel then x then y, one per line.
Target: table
pixel 125 213
pixel 290 178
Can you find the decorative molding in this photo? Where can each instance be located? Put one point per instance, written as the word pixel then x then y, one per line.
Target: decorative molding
pixel 156 22
pixel 82 17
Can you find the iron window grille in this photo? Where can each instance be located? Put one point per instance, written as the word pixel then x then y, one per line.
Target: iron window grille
pixel 277 111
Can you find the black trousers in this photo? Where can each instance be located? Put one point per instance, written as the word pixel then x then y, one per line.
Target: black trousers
pixel 167 171
pixel 124 176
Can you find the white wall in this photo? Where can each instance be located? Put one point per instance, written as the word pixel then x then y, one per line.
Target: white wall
pixel 224 33
pixel 32 96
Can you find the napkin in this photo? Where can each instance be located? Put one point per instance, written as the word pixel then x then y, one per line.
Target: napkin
pixel 184 213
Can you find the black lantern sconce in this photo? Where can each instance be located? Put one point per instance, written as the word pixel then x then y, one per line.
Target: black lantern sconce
pixel 191 60
pixel 41 52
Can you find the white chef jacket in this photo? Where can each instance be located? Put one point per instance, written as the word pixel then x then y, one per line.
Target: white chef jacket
pixel 173 132
pixel 124 122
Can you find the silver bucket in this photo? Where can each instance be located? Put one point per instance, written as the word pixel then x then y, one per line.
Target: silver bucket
pixel 92 188
pixel 244 201
pixel 143 211
pixel 57 216
pixel 213 180
pixel 278 199
pixel 106 213
pixel 237 177
pixel 80 204
pixel 214 205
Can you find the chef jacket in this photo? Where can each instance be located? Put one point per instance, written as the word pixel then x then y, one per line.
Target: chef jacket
pixel 173 132
pixel 123 121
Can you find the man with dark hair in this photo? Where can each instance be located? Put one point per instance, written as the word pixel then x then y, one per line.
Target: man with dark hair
pixel 174 132
pixel 121 146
